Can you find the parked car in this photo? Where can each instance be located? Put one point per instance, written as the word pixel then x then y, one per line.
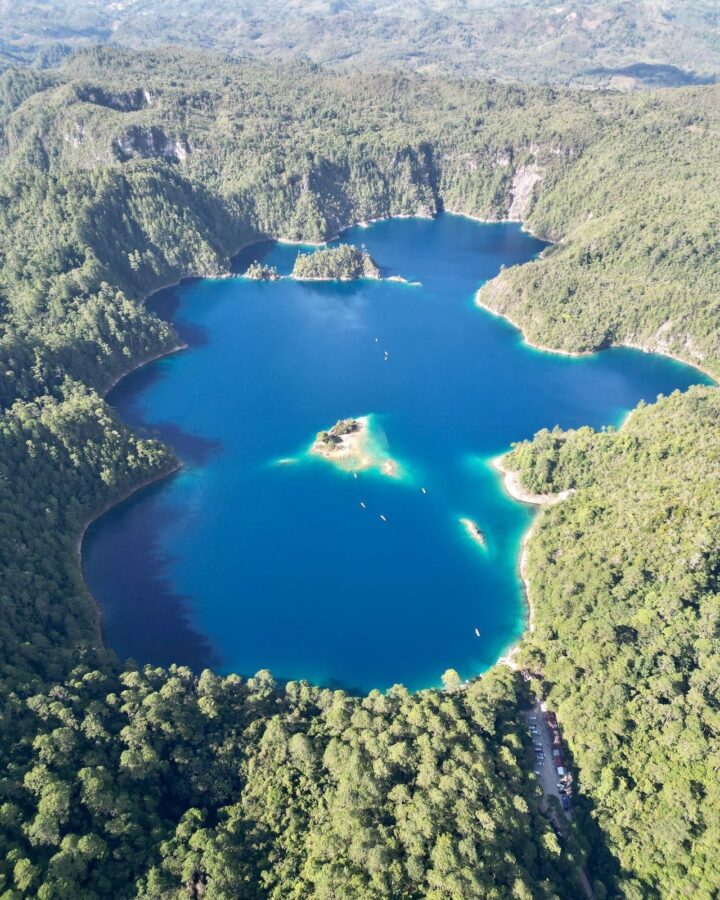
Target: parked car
pixel 565 803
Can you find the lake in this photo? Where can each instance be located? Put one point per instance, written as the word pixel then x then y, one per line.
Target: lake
pixel 246 560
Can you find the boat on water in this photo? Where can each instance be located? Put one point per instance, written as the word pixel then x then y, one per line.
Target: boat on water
pixel 383 518
pixel 477 632
pixel 362 503
pixel 424 490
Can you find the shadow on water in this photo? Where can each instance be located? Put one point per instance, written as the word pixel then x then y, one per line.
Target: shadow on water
pixel 166 303
pixel 153 623
pixel 248 255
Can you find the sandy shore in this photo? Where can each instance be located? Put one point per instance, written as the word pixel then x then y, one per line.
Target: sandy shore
pixel 512 485
pixel 473 532
pixel 352 448
pixel 355 452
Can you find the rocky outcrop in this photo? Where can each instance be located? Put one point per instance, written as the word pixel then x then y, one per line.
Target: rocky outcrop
pixel 522 191
pixel 149 142
pixel 121 101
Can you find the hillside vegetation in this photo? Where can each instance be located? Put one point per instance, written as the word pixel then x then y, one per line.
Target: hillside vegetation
pixel 123 172
pixel 624 583
pixel 151 784
pixel 623 44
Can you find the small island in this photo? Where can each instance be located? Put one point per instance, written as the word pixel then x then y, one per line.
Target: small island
pixel 259 272
pixel 339 439
pixel 343 263
pixel 350 445
pixel 474 532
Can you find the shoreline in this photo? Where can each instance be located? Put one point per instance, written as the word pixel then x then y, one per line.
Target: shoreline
pixel 506 219
pixel 161 354
pixel 576 354
pixel 514 489
pixel 90 520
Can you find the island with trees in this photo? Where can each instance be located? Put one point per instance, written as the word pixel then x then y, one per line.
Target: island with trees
pixel 257 271
pixel 344 263
pixel 351 444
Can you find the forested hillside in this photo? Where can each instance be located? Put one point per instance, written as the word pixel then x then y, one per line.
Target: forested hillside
pixel 124 172
pixel 159 784
pixel 143 178
pixel 624 583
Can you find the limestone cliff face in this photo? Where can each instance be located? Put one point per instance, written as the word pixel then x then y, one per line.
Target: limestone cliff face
pixel 148 142
pixel 498 183
pixel 334 194
pixel 522 192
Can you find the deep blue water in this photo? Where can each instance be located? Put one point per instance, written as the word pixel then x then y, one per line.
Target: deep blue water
pixel 240 563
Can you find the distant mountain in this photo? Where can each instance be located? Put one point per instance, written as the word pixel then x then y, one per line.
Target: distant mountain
pixel 626 43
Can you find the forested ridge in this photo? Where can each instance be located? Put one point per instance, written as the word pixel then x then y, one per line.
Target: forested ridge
pixel 624 583
pixel 123 172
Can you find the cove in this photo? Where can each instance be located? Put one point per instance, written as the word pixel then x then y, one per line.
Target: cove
pixel 242 562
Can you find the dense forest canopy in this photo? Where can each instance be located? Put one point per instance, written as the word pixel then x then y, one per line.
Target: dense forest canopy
pixel 626 44
pixel 121 172
pixel 624 579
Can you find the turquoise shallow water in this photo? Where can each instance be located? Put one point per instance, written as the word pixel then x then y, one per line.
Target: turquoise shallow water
pixel 240 563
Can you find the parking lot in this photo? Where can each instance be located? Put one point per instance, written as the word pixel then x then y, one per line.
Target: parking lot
pixel 545 764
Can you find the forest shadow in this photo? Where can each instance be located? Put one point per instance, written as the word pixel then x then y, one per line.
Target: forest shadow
pixel 142 616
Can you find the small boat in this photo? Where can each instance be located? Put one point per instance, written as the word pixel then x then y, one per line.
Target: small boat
pixel 383 518
pixel 362 503
pixel 477 632
pixel 354 474
pixel 424 490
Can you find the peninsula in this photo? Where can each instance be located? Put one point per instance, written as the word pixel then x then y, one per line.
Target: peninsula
pixel 350 444
pixel 344 263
